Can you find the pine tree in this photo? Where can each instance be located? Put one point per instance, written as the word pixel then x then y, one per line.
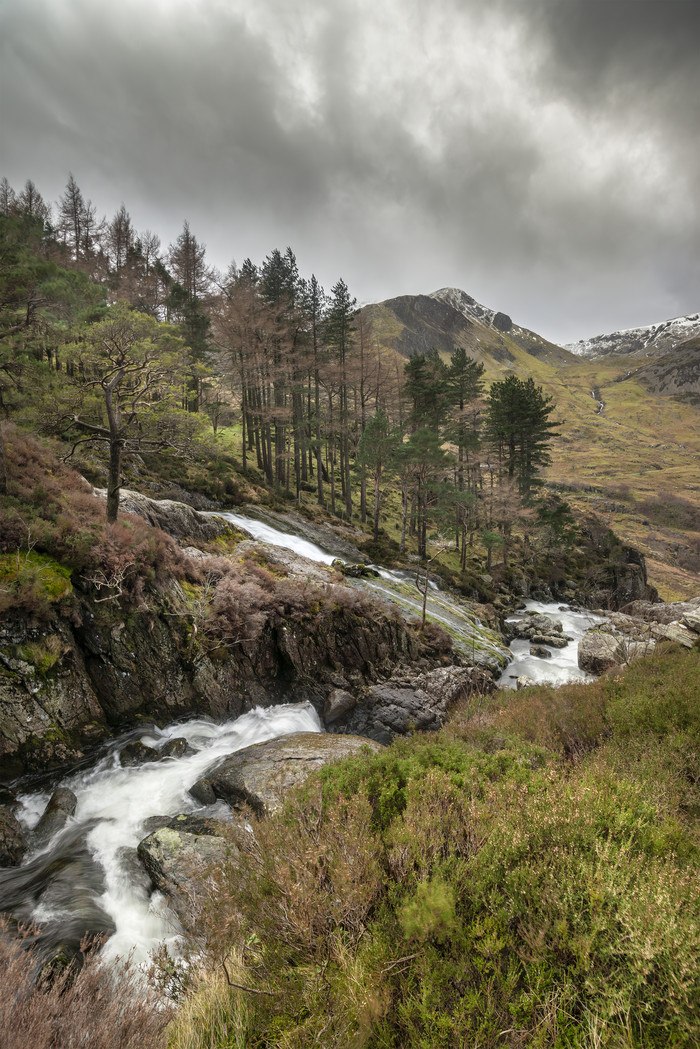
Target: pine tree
pixel 519 427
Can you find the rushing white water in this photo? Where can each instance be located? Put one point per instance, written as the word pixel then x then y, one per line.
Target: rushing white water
pixel 114 804
pixel 562 666
pixel 267 533
pixel 470 637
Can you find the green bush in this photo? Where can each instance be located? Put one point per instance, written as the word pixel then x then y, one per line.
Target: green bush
pixel 462 889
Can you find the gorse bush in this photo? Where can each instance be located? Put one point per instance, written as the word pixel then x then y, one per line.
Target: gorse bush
pixel 528 881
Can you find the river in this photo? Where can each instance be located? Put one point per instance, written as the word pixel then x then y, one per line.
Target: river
pixel 87 876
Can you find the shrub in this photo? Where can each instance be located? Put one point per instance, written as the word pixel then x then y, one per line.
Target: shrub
pixel 73 1008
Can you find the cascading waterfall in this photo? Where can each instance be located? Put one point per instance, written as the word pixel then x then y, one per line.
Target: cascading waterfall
pixel 87 877
pixel 470 637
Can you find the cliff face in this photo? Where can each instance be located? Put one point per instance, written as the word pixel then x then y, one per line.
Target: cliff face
pixel 64 687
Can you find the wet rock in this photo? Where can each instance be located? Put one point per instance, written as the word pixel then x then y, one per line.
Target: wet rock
pixel 555 640
pixel 540 651
pixel 339 702
pixel 355 571
pixel 599 651
pixel 262 775
pixel 137 753
pixel 12 844
pixel 523 681
pixel 61 806
pixel 532 627
pixel 203 792
pixel 176 748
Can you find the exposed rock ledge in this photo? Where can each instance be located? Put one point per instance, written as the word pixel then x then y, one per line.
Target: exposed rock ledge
pixel 633 634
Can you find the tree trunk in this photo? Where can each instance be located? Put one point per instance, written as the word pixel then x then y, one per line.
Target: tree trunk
pixel 114 479
pixel 3 469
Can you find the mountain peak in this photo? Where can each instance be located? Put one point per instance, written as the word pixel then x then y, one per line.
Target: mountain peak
pixel 473 310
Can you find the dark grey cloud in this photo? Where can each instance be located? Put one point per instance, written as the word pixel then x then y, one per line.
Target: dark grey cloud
pixel 543 157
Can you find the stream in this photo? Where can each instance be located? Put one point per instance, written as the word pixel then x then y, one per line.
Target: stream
pixel 86 877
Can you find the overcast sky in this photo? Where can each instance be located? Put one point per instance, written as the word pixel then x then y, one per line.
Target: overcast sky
pixel 543 155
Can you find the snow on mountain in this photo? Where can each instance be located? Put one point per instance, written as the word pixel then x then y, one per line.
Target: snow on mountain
pixel 464 304
pixel 652 340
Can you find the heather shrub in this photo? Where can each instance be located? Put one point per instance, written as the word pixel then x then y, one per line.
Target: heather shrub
pixel 76 1007
pixel 470 888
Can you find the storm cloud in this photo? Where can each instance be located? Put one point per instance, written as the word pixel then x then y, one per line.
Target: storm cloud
pixel 542 156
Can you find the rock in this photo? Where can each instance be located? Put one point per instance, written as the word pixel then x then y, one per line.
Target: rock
pixel 674 632
pixel 540 651
pixel 54 817
pixel 262 775
pixel 691 620
pixel 177 854
pixel 535 626
pixel 177 519
pixel 598 651
pixel 502 322
pixel 176 748
pixel 555 640
pixel 638 649
pixel 12 844
pixel 203 792
pixel 523 681
pixel 137 753
pixel 413 701
pixel 339 702
pixel 357 571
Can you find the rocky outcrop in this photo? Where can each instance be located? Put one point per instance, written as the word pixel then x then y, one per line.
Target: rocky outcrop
pixel 177 519
pixel 261 776
pixel 410 700
pixel 115 668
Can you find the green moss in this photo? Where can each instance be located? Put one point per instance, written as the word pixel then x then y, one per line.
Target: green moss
pixel 44 571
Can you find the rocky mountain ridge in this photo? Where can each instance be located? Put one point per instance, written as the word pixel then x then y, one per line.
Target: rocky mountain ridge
pixel 650 340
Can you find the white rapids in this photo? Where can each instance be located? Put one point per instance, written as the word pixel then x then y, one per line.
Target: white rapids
pixel 114 804
pixel 562 666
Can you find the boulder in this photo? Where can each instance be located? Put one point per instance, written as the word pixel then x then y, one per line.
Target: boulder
pixel 177 519
pixel 203 792
pixel 691 620
pixel 137 753
pixel 555 640
pixel 262 775
pixel 176 748
pixel 523 681
pixel 598 651
pixel 540 651
pixel 674 632
pixel 411 701
pixel 339 702
pixel 12 844
pixel 176 855
pixel 61 806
